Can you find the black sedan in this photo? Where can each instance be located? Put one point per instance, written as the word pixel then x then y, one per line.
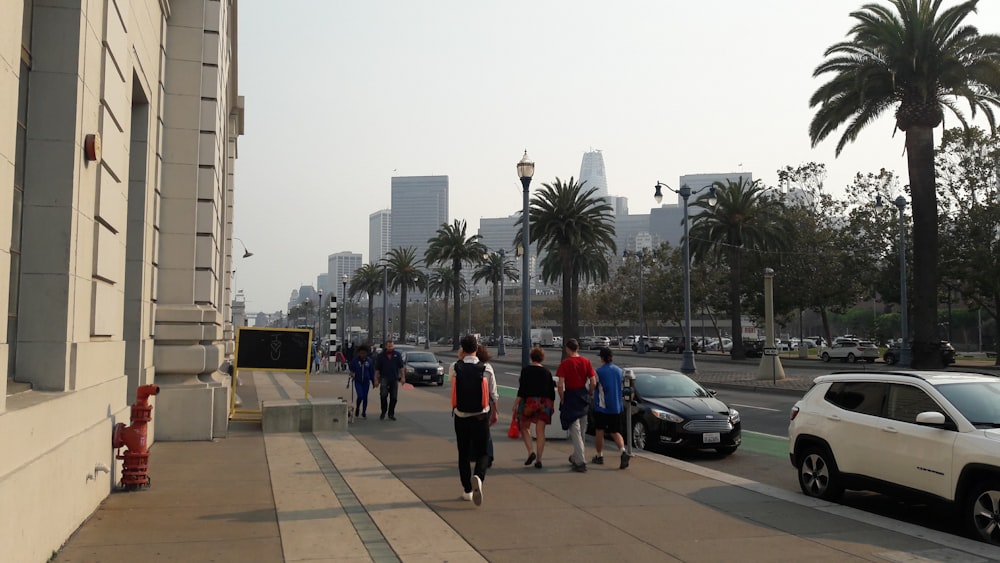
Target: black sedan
pixel 422 367
pixel 672 410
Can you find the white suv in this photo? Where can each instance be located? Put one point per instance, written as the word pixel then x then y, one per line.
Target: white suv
pixel 934 434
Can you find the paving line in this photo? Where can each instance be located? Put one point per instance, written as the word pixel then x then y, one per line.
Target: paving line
pixel 376 544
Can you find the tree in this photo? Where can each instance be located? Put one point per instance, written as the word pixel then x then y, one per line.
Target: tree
pixel 440 283
pixel 576 230
pixel 915 59
pixel 368 280
pixel 970 251
pixel 404 274
pixel 451 244
pixel 494 268
pixel 743 219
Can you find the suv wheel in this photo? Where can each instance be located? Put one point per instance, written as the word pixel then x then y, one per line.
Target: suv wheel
pixel 982 512
pixel 818 475
pixel 851 358
pixel 826 357
pixel 889 358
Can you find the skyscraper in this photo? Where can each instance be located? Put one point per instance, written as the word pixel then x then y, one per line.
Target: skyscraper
pixel 379 234
pixel 419 207
pixel 338 265
pixel 592 171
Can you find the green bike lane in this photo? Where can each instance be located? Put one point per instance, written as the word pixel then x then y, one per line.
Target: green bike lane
pixel 755 442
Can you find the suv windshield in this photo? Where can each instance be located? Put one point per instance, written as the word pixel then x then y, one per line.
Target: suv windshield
pixel 979 402
pixel 667 385
pixel 420 357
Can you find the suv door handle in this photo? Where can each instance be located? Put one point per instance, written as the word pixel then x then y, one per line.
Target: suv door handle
pixel 833 417
pixel 890 429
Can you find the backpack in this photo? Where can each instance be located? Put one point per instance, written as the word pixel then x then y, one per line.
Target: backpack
pixel 470 389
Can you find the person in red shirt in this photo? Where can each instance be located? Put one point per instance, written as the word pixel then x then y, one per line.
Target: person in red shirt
pixel 577 381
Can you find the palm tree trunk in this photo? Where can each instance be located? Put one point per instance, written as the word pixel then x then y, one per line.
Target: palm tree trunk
pixel 736 327
pixel 371 316
pixel 920 164
pixel 569 329
pixel 456 297
pixel 402 313
pixel 496 309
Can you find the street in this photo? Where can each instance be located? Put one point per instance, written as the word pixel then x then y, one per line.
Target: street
pixel 763 456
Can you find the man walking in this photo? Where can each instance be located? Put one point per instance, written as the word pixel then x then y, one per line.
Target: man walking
pixel 471 397
pixel 388 373
pixel 577 380
pixel 608 408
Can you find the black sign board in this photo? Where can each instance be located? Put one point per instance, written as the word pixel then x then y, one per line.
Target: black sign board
pixel 277 349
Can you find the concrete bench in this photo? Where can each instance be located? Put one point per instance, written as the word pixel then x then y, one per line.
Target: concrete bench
pixel 304 415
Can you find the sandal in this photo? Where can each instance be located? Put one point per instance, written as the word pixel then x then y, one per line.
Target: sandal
pixel 530 459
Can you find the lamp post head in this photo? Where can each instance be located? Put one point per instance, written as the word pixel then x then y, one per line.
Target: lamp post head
pixel 879 206
pixel 712 200
pixel 685 191
pixel 526 167
pixel 247 253
pixel 343 278
pixel 658 195
pixel 768 273
pixel 900 202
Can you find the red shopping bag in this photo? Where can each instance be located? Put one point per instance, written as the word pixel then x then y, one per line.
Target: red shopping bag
pixel 514 432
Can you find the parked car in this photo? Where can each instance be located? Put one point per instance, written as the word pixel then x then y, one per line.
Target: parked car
pixel 422 366
pixel 929 435
pixel 891 355
pixel 850 351
pixel 726 345
pixel 557 342
pixel 678 344
pixel 754 348
pixel 672 410
pixel 595 342
pixel 643 340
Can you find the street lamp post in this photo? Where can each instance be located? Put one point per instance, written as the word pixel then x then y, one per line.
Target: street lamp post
pixel 319 309
pixel 525 170
pixel 427 323
pixel 904 346
pixel 501 347
pixel 687 362
pixel 385 302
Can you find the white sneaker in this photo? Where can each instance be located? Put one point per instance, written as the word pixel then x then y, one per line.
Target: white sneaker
pixel 466 496
pixel 477 490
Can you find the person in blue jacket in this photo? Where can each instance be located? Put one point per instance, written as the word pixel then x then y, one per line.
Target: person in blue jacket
pixel 363 371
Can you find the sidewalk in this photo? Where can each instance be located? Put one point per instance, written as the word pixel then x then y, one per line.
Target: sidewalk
pixel 389 491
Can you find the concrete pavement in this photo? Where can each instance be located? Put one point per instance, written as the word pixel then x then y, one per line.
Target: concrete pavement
pixel 389 491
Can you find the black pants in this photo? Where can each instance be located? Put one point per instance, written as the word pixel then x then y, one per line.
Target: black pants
pixel 390 390
pixel 473 437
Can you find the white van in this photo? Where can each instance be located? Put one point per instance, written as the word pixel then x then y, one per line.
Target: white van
pixel 542 337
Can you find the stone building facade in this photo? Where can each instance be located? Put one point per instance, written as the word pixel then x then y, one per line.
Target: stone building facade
pixel 119 122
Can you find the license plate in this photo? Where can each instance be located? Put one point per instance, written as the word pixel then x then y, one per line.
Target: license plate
pixel 427 378
pixel 711 438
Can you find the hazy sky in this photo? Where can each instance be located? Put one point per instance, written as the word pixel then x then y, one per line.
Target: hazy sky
pixel 341 96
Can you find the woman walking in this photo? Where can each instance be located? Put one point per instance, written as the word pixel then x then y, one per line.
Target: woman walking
pixel 363 374
pixel 536 396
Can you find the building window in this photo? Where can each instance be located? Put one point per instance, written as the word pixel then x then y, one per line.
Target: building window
pixel 20 145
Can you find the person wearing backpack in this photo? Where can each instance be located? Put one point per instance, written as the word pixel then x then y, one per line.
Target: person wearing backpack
pixel 471 396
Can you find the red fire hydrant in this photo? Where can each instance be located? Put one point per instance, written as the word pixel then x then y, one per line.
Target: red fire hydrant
pixel 135 469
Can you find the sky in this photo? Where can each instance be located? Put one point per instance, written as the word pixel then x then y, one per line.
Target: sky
pixel 341 96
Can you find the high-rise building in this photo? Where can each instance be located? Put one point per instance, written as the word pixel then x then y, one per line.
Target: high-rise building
pixel 379 235
pixel 419 207
pixel 592 172
pixel 339 265
pixel 619 204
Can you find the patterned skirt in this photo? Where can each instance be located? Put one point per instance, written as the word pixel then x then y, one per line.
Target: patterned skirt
pixel 536 409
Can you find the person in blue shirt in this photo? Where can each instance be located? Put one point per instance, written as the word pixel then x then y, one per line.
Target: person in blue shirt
pixel 388 374
pixel 608 408
pixel 363 373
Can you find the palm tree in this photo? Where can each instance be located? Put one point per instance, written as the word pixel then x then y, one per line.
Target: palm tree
pixel 496 267
pixel 368 280
pixel 404 274
pixel 915 59
pixel 451 244
pixel 577 230
pixel 440 283
pixel 743 219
